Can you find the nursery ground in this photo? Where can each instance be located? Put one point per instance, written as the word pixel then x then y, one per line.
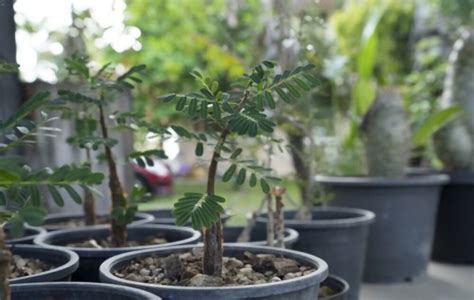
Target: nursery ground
pixel 443 282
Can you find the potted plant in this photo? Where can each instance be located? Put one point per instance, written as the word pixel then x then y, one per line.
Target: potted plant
pixel 380 131
pixel 454 145
pixel 21 199
pixel 86 125
pixel 206 269
pixel 97 243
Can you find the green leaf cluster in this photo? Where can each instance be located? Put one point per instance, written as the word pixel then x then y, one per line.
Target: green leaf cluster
pixel 245 110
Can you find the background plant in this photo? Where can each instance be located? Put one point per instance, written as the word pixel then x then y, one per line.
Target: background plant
pixel 20 194
pixel 100 89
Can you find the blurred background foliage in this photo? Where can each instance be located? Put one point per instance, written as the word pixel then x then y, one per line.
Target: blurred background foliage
pixel 222 38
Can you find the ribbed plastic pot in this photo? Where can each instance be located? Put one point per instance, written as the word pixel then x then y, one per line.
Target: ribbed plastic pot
pixel 51 221
pixel 165 216
pixel 77 291
pixel 91 258
pixel 454 237
pixel 400 240
pixel 302 288
pixel 336 234
pixel 258 236
pixel 28 236
pixel 66 261
pixel 338 285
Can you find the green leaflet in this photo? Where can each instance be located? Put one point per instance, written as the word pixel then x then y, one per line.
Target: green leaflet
pixel 203 209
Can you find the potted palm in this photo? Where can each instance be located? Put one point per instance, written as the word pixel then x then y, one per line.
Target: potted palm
pixel 454 145
pixel 215 270
pixel 96 243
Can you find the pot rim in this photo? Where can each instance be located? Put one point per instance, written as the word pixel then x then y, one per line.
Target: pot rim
pixel 291 236
pixel 225 215
pixel 68 286
pixel 27 238
pixel 345 288
pixel 69 267
pixel 145 217
pixel 259 290
pixel 360 217
pixel 415 180
pixel 44 239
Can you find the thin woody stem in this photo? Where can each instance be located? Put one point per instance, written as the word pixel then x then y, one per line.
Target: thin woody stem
pixel 118 231
pixel 5 259
pixel 213 236
pixel 89 200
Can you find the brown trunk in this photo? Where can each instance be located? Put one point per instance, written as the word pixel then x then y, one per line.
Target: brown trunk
pixel 89 201
pixel 213 236
pixel 280 219
pixel 118 231
pixel 89 207
pixel 5 258
pixel 270 224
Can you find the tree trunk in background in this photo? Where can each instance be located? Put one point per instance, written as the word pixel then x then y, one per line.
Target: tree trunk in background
pixel 10 100
pixel 10 92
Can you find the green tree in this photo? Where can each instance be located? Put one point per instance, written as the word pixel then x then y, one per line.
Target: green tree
pixel 239 112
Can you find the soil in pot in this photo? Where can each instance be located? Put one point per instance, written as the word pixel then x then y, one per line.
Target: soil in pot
pixel 304 287
pixel 26 266
pixel 85 242
pixel 185 269
pixel 77 291
pixel 107 243
pixel 60 221
pixel 37 264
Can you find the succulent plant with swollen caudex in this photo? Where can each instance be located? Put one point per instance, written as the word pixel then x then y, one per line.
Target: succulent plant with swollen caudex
pixel 387 135
pixel 240 112
pixel 454 144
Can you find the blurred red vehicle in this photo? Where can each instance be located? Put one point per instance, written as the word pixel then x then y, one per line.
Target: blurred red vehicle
pixel 156 179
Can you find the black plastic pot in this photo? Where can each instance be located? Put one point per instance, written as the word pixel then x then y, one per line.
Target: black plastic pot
pixel 28 236
pixel 91 258
pixel 454 237
pixel 67 262
pixel 302 288
pixel 399 245
pixel 337 284
pixel 258 236
pixel 165 216
pixel 77 291
pixel 336 234
pixel 51 221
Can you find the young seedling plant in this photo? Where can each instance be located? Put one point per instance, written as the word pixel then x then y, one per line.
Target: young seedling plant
pixel 243 111
pixel 101 88
pixel 20 196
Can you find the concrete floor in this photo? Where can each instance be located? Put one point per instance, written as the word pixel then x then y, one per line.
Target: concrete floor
pixel 444 282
